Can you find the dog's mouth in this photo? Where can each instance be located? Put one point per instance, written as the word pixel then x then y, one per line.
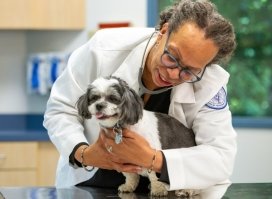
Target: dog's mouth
pixel 102 116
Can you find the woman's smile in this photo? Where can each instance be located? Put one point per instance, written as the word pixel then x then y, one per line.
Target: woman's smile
pixel 161 81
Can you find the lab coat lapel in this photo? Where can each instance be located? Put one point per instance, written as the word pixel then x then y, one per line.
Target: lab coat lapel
pixel 188 98
pixel 214 79
pixel 183 93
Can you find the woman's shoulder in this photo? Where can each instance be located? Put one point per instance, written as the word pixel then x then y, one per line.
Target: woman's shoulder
pixel 119 38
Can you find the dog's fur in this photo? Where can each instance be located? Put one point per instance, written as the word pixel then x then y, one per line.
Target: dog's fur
pixel 112 101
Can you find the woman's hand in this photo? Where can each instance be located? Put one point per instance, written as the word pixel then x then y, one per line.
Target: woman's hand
pixel 133 150
pixel 131 155
pixel 97 155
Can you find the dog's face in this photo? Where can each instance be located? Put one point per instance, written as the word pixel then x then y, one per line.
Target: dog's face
pixel 104 100
pixel 110 100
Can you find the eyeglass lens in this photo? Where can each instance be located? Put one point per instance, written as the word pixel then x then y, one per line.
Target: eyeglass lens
pixel 186 74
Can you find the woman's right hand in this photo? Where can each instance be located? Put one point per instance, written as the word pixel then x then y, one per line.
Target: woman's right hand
pixel 97 155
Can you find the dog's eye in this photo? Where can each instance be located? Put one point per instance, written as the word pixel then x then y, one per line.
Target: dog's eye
pixel 94 98
pixel 113 99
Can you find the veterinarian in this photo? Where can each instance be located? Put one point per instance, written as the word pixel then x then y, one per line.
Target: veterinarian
pixel 177 66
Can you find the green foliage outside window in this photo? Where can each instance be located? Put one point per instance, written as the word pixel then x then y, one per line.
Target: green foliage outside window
pixel 250 86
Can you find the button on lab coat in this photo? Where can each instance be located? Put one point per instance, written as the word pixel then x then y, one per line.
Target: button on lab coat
pixel 120 52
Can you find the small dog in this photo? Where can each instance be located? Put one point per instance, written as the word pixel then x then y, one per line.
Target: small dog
pixel 115 104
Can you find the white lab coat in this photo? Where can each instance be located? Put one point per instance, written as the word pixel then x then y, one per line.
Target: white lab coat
pixel 119 52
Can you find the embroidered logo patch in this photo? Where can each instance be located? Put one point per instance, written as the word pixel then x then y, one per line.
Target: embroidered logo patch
pixel 219 101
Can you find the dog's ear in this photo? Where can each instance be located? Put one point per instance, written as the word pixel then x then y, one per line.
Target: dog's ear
pixel 132 107
pixel 82 105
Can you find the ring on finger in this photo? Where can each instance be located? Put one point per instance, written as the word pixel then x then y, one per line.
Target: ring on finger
pixel 109 149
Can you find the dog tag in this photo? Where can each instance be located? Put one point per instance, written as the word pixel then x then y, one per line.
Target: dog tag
pixel 118 135
pixel 118 138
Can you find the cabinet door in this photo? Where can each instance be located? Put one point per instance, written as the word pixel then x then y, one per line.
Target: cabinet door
pixel 42 14
pixel 18 178
pixel 18 163
pixel 18 155
pixel 57 14
pixel 13 14
pixel 47 164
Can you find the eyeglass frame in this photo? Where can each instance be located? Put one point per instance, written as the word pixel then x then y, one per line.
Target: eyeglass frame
pixel 178 65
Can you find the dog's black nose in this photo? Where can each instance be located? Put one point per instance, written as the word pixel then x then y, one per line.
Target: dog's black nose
pixel 99 107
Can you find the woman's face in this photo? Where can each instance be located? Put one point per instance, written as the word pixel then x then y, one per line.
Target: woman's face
pixel 188 46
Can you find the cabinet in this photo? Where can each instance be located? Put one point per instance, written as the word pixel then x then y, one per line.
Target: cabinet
pixel 47 164
pixel 42 14
pixel 27 163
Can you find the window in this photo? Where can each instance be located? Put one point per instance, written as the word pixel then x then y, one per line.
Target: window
pixel 250 86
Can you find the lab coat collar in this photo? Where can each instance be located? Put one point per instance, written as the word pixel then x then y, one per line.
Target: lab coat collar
pixel 183 93
pixel 129 69
pixel 215 77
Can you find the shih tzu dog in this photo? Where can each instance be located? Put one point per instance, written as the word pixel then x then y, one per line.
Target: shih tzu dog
pixel 115 105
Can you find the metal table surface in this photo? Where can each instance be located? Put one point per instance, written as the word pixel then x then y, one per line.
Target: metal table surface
pixel 225 191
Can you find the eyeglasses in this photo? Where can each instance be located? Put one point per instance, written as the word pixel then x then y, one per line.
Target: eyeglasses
pixel 185 74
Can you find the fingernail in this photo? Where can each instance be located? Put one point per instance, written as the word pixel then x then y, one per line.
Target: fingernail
pixel 139 168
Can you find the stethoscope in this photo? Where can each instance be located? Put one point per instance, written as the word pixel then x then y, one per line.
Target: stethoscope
pixel 142 88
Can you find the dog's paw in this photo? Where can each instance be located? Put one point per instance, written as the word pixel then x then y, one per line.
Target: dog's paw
pixel 158 189
pixel 184 193
pixel 127 188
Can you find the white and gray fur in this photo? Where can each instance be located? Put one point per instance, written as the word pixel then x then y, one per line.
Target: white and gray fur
pixel 112 101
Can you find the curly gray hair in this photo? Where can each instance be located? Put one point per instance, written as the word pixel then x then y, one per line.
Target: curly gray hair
pixel 205 15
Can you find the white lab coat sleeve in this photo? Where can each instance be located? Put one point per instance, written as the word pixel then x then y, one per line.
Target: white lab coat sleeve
pixel 212 160
pixel 61 118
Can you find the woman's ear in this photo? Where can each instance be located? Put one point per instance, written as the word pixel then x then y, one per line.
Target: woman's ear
pixel 164 29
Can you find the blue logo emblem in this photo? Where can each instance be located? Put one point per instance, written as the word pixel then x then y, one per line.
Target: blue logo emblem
pixel 219 101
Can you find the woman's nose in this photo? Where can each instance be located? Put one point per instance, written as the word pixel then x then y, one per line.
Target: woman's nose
pixel 173 73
